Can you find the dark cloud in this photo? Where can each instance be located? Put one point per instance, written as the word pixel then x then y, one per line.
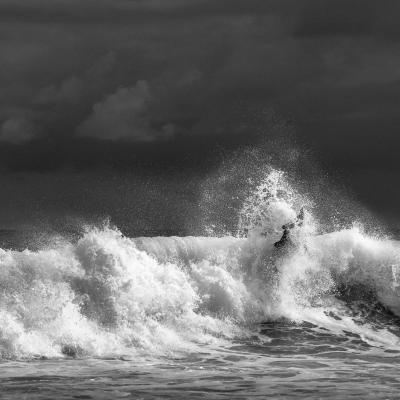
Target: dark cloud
pixel 124 115
pixel 68 91
pixel 164 83
pixel 17 130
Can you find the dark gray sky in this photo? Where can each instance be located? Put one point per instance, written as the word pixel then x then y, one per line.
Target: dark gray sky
pixel 159 85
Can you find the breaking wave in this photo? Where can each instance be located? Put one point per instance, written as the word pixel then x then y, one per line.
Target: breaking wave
pixel 110 295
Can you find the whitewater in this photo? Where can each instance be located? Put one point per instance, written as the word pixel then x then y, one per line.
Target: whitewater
pixel 229 316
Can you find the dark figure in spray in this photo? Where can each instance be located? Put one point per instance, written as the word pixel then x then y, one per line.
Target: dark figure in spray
pixel 285 239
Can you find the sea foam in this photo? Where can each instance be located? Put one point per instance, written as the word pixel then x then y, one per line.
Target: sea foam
pixel 106 294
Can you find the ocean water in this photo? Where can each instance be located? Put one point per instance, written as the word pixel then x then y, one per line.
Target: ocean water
pixel 109 316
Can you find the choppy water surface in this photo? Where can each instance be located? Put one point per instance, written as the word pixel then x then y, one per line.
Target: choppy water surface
pixel 298 362
pixel 107 316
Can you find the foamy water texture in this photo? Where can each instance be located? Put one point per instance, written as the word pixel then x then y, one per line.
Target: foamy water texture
pixel 225 304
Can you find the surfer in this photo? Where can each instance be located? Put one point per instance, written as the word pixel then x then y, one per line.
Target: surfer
pixel 285 239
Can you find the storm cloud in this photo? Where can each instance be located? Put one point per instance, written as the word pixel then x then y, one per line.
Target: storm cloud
pixel 106 83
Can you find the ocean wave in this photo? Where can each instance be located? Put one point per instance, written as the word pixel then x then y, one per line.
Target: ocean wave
pixel 110 295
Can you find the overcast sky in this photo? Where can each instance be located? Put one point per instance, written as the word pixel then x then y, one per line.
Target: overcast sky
pixel 152 85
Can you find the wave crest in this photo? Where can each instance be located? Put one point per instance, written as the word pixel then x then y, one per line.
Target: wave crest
pixel 109 295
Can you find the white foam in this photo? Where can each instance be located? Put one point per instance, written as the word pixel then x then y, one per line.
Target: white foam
pixel 111 295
